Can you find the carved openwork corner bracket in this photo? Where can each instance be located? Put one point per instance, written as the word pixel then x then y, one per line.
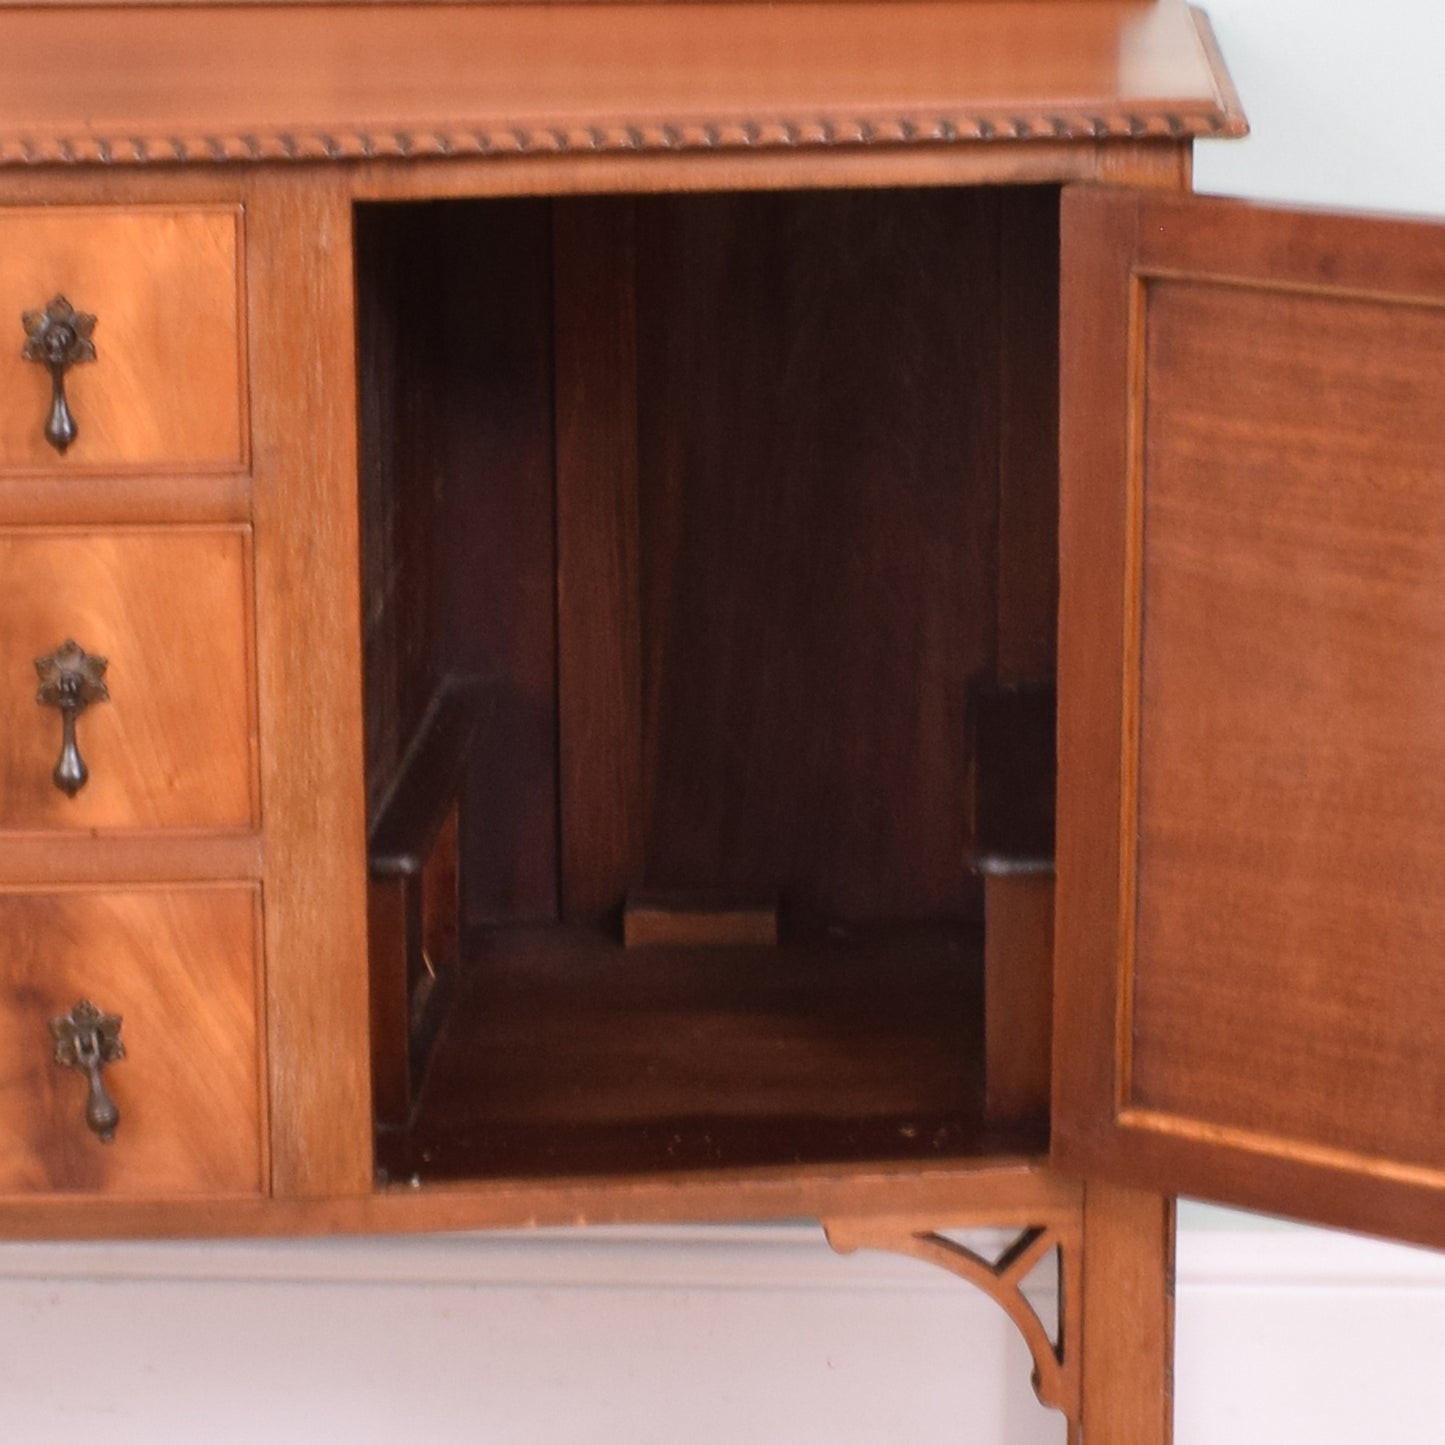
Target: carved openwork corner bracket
pixel 1056 1374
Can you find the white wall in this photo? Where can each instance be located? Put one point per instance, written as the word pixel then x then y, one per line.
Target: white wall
pixel 743 1336
pixel 761 1337
pixel 1345 102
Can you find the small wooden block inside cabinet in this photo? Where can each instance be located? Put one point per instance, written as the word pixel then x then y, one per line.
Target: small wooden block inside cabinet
pixel 674 611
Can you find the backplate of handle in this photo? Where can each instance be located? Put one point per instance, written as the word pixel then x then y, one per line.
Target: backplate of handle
pixel 57 337
pixel 70 680
pixel 87 1039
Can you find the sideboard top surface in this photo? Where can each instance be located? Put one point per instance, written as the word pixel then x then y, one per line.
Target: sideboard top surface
pixel 111 84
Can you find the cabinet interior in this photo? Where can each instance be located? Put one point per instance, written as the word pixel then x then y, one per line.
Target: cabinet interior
pixel 709 591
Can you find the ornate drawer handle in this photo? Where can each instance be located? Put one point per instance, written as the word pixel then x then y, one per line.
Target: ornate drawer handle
pixel 70 680
pixel 58 338
pixel 88 1039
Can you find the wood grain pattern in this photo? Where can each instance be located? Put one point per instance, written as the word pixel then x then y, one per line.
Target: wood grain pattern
pixel 1292 693
pixel 1128 1318
pixel 178 855
pixel 398 521
pixel 1018 1002
pixel 1093 465
pixel 313 82
pixel 458 438
pixel 168 386
pixel 174 746
pixel 1153 162
pixel 818 544
pixel 986 1192
pixel 113 500
pixel 180 966
pixel 652 919
pixel 856 1045
pixel 308 649
pixel 1260 944
pixel 599 646
pixel 1028 367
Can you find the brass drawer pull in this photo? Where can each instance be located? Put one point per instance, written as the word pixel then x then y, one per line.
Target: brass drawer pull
pixel 88 1039
pixel 70 680
pixel 58 338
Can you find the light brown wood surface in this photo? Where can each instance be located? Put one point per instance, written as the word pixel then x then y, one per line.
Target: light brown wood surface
pixel 317 82
pixel 1128 1318
pixel 1018 912
pixel 1254 698
pixel 170 611
pixel 998 1191
pixel 167 388
pixel 308 651
pixel 179 965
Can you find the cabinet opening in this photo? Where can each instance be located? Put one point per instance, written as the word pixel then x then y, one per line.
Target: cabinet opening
pixel 710 596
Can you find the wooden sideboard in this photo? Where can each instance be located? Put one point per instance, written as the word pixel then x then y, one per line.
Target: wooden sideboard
pixel 551 540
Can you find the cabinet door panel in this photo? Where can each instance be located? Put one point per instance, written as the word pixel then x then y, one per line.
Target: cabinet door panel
pixel 1251 932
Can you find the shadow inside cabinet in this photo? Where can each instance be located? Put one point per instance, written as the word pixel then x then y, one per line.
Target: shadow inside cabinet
pixel 710 594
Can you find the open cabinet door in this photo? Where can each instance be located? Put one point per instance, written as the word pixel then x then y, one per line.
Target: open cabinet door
pixel 1251 846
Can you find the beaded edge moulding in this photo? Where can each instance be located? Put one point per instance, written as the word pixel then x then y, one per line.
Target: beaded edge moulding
pixel 1212 110
pixel 653 137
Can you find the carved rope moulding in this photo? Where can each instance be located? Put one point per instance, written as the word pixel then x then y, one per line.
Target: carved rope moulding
pixel 651 136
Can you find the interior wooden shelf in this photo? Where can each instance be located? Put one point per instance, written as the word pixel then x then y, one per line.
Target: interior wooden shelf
pixel 567 1054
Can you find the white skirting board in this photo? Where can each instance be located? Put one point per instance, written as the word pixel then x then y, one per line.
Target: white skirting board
pixel 745 1336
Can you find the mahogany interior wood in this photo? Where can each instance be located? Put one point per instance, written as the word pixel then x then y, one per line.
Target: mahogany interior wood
pixel 819 502
pixel 567 1054
pixel 459 500
pixel 772 604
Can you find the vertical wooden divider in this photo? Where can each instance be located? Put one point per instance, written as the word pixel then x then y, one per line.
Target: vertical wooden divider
pixel 1028 506
pixel 599 653
pixel 308 640
pixel 1019 959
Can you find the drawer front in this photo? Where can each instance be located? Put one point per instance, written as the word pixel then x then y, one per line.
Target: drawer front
pixel 172 743
pixel 178 966
pixel 166 388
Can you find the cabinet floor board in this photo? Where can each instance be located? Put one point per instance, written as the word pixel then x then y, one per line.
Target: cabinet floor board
pixel 567 1054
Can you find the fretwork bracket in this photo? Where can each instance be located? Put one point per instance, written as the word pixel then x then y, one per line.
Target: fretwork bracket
pixel 1056 1372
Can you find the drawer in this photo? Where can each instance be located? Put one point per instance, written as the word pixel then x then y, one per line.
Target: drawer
pixel 168 609
pixel 178 966
pixel 167 386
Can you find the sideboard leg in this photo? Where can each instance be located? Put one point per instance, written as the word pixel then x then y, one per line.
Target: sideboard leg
pixel 1128 1319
